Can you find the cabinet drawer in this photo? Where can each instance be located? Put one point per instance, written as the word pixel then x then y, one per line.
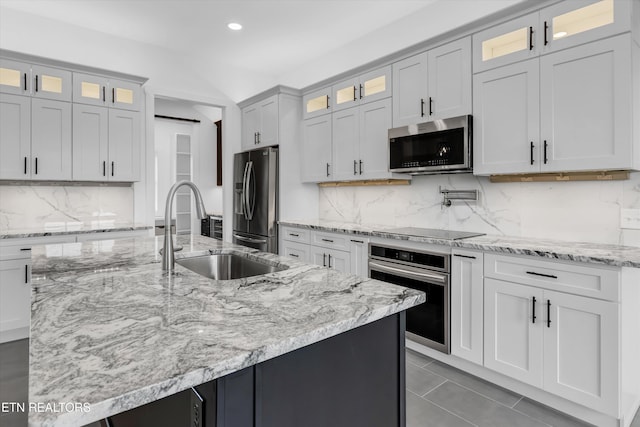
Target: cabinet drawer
pixel 580 279
pixel 293 234
pixel 299 251
pixel 330 240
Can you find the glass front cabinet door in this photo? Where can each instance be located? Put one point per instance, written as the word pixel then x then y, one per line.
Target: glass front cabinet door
pixel 368 87
pixel 15 77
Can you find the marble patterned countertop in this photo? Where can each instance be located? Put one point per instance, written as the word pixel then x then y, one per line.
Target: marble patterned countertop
pixel 109 328
pixel 595 253
pixel 74 227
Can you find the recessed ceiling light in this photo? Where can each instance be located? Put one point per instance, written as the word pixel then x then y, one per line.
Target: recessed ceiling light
pixel 234 26
pixel 559 34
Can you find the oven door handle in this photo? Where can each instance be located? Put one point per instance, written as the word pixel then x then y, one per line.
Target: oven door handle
pixel 410 274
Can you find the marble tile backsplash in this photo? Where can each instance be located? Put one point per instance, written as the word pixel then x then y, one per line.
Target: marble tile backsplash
pixel 52 206
pixel 587 211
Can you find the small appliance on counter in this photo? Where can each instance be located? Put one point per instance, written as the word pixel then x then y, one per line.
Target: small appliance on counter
pixel 255 199
pixel 211 226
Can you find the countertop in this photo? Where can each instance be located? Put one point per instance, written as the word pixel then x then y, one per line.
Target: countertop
pixel 595 253
pixel 73 227
pixel 112 330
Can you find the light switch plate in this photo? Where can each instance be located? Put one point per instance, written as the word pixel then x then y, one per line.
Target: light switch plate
pixel 630 218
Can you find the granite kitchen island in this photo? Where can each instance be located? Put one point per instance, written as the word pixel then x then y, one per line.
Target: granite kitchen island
pixel 111 330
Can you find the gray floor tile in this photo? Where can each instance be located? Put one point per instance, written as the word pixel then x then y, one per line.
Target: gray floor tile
pixel 14 419
pixel 485 388
pixel 636 420
pixel 481 410
pixel 14 359
pixel 421 413
pixel 417 358
pixel 548 415
pixel 421 381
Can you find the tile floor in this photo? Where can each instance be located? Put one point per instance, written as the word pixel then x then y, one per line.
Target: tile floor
pixel 437 396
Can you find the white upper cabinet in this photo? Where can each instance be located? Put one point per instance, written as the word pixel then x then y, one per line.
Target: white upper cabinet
pixel 15 77
pixel 50 140
pixel 367 87
pixel 99 90
pixel 260 124
pixel 346 144
pixel 433 85
pixel 316 103
pixel 90 142
pixel 15 136
pixel 124 145
pixel 316 149
pixel 585 107
pixel 51 83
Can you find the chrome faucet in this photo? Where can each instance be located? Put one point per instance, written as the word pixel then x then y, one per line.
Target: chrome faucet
pixel 168 258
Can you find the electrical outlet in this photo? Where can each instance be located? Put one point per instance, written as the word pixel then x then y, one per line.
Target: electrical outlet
pixel 197 414
pixel 630 218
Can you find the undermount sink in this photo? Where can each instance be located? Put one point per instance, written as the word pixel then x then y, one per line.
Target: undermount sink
pixel 228 266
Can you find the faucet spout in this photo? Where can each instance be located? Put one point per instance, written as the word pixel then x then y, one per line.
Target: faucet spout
pixel 168 258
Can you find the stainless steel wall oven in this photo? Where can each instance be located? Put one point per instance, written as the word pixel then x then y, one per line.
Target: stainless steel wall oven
pixel 427 323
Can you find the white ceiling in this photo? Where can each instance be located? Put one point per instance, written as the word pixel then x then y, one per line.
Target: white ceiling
pixel 291 42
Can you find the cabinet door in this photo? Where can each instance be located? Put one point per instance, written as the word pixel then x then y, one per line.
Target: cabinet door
pixel 581 360
pixel 375 85
pixel 318 256
pixel 512 41
pixel 50 140
pixel 51 83
pixel 346 139
pixel 125 95
pixel 586 118
pixel 250 125
pixel 15 136
pixel 450 80
pixel 359 254
pixel 268 125
pixel 299 251
pixel 90 142
pixel 316 103
pixel 467 305
pixel 573 22
pixel 513 342
pixel 339 260
pixel 316 150
pixel 124 146
pixel 90 89
pixel 375 121
pixel 15 299
pixel 346 94
pixel 507 119
pixel 14 77
pixel 410 90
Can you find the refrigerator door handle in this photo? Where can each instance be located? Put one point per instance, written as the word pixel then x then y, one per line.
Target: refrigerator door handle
pixel 251 195
pixel 244 194
pixel 249 240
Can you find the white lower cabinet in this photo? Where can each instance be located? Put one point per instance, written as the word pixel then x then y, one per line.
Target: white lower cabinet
pixel 359 250
pixel 331 258
pixel 467 304
pixel 15 298
pixel 565 344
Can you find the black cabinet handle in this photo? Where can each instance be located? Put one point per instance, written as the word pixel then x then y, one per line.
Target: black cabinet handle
pixel 25 165
pixel 464 256
pixel 25 81
pixel 421 107
pixel 294 235
pixel 113 168
pixel 104 94
pixel 258 133
pixel 36 82
pixel 25 249
pixel 355 165
pixel 532 152
pixel 327 169
pixel 360 167
pixel 530 38
pixel 324 260
pixel 430 106
pixel 36 166
pixel 294 255
pixel 327 240
pixel 533 310
pixel 328 106
pixel 357 241
pixel 546 27
pixel 26 274
pixel 551 276
pixel 548 313
pixel 104 168
pixel 355 97
pixel 113 95
pixel 545 152
pixel 360 98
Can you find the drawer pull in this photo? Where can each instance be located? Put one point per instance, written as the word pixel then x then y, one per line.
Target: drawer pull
pixel 357 241
pixel 548 313
pixel 294 255
pixel 551 276
pixel 294 235
pixel 25 249
pixel 464 256
pixel 533 309
pixel 327 240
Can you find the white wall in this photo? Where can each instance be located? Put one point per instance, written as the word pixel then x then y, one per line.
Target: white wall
pixel 587 211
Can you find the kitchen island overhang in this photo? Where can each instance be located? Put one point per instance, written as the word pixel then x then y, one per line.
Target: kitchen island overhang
pixel 110 329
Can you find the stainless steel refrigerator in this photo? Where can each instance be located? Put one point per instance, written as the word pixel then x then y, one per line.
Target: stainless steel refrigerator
pixel 255 199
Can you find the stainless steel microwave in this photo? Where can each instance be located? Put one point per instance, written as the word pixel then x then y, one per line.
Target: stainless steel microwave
pixel 440 146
